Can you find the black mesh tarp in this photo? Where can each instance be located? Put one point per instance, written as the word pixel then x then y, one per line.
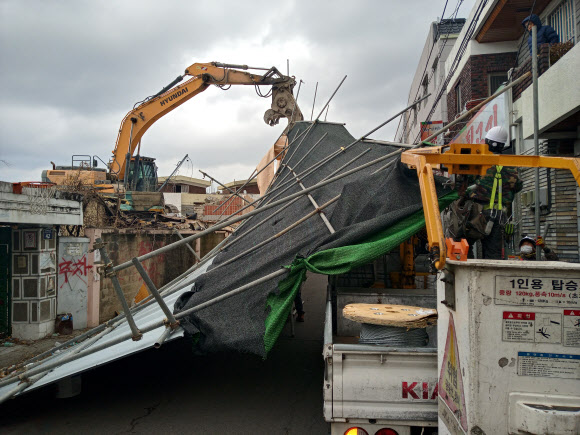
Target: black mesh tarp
pixel 368 203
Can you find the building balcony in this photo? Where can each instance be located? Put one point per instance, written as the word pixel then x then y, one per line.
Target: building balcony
pixel 558 94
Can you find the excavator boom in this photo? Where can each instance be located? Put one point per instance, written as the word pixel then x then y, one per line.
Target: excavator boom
pixel 138 120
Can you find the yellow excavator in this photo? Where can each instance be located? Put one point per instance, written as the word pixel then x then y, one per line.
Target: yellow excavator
pixel 127 172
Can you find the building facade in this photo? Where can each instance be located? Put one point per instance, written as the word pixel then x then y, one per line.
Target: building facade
pixel 495 51
pixel 428 80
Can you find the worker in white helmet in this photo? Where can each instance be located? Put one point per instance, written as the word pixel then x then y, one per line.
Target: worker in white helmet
pixel 484 207
pixel 495 192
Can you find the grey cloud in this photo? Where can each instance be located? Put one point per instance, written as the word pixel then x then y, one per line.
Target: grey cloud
pixel 72 69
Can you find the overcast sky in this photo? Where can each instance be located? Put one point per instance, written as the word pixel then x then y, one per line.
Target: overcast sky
pixel 70 70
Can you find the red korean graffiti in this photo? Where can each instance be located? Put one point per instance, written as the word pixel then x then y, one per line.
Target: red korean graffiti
pixel 72 268
pixel 153 267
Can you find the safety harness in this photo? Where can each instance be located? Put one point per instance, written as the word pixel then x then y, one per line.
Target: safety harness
pixel 497 180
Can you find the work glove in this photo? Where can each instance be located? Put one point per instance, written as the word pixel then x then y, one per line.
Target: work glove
pixel 540 242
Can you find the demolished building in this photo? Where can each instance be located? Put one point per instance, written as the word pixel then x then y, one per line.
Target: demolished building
pixel 336 202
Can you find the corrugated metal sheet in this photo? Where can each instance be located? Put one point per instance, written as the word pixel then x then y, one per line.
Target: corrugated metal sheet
pixel 147 316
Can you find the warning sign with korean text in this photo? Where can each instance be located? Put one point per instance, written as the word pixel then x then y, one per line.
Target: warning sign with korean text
pixel 549 365
pixel 532 327
pixel 537 292
pixel 572 328
pixel 450 379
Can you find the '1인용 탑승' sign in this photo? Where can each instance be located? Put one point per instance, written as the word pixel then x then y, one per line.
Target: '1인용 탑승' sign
pixel 537 292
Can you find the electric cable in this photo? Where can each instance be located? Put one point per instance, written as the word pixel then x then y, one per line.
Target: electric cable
pixel 458 56
pixel 453 17
pixel 393 336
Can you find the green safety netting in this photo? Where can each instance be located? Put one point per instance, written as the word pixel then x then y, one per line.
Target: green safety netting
pixel 336 261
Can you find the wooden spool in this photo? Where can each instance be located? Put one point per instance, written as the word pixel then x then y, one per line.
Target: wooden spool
pixel 403 316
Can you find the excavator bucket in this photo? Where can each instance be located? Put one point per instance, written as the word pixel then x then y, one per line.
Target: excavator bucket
pixel 283 106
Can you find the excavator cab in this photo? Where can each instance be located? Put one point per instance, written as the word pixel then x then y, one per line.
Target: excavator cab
pixel 142 175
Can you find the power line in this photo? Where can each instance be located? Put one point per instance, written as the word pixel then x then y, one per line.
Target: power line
pixel 458 56
pixel 453 16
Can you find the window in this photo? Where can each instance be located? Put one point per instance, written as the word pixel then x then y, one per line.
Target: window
pixel 495 80
pixel 434 73
pixel 459 103
pixel 562 20
pixel 425 88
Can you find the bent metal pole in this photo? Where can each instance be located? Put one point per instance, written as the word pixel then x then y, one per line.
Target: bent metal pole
pixel 233 220
pixel 317 210
pixel 127 335
pixel 267 197
pixel 240 237
pixel 254 174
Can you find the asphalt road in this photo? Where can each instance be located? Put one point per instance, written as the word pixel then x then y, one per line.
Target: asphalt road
pixel 171 390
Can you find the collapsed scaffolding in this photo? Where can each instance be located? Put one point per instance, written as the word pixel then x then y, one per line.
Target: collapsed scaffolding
pixel 27 374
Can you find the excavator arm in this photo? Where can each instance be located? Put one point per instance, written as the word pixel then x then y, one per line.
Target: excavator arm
pixel 202 75
pixel 466 159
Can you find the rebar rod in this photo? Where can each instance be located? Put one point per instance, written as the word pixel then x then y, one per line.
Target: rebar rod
pixel 312 168
pixel 153 290
pixel 314 203
pixel 280 168
pixel 330 99
pixel 111 273
pixel 317 210
pixel 318 117
pixel 382 168
pixel 306 154
pixel 221 184
pixel 314 101
pixel 288 158
pixel 312 125
pixel 241 236
pixel 237 239
pixel 147 328
pixel 239 189
pixel 389 143
pixel 188 245
pixel 298 135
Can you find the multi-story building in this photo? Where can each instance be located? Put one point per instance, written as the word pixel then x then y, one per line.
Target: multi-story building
pixel 491 49
pixel 428 80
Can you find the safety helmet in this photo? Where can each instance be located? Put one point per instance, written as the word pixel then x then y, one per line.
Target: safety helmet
pixel 496 138
pixel 529 240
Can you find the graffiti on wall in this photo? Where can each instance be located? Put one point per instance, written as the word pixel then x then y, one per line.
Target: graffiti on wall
pixel 154 266
pixel 74 268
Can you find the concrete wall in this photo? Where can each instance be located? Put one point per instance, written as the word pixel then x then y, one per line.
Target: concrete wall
pixel 122 245
pixel 28 208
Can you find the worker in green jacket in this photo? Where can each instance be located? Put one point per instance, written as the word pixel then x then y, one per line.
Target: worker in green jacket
pixel 495 191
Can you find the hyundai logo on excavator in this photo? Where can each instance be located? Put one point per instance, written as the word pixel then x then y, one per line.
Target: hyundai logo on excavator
pixel 174 96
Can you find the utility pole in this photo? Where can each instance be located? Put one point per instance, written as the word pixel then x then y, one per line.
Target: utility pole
pixel 536 128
